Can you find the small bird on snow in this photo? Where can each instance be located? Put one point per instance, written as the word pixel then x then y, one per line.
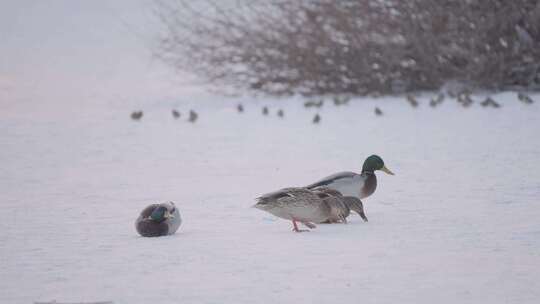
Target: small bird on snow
pixel 314 104
pixel 378 111
pixel 137 115
pixel 412 100
pixel 193 116
pixel 341 100
pixel 490 102
pixel 465 99
pixel 525 98
pixel 435 101
pixel 175 114
pixel 316 118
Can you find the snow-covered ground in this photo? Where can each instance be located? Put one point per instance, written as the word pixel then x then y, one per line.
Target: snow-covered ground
pixel 458 223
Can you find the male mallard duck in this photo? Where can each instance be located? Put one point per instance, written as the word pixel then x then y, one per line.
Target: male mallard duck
pixel 158 220
pixel 299 205
pixel 353 184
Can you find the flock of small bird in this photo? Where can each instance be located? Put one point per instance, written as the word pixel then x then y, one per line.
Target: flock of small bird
pixel 338 101
pixel 192 117
pixel 464 98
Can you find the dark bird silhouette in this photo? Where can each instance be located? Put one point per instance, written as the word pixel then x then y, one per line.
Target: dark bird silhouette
pixel 314 104
pixel 175 114
pixel 440 97
pixel 340 101
pixel 412 101
pixel 265 110
pixel 240 108
pixel 193 116
pixel 437 100
pixel 489 102
pixel 525 98
pixel 378 111
pixel 316 118
pixel 465 99
pixel 280 113
pixel 137 115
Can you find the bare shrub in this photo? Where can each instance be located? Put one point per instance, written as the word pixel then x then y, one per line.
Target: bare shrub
pixel 317 47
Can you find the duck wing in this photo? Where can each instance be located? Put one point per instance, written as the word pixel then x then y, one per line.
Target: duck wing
pixel 348 183
pixel 341 176
pixel 293 193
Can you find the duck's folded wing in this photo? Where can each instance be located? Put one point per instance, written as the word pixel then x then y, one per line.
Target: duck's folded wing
pixel 341 176
pixel 295 193
pixel 273 196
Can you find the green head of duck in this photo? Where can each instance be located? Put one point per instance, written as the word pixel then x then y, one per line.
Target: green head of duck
pixel 374 163
pixel 160 214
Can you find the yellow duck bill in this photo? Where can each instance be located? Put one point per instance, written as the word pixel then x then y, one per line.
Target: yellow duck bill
pixel 386 170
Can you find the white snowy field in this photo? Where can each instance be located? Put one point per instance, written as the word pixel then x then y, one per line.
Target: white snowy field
pixel 458 223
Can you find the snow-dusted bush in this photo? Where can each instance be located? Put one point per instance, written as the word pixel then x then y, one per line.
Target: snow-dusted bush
pixel 316 47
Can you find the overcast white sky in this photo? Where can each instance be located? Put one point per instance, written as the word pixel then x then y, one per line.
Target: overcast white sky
pixel 59 51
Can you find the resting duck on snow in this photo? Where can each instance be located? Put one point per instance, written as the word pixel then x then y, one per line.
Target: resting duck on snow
pixel 353 184
pixel 308 206
pixel 158 220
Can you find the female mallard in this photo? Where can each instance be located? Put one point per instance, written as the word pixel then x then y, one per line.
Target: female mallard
pixel 338 210
pixel 353 184
pixel 158 220
pixel 341 205
pixel 297 205
pixel 306 206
